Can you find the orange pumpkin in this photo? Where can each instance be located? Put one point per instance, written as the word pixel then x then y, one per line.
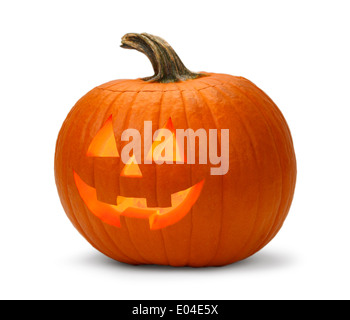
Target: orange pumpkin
pixel 175 213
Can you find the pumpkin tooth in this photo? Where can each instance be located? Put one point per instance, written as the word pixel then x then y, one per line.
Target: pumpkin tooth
pixel 164 202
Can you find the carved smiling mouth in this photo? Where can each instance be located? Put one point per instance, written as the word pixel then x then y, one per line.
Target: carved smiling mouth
pixel 158 217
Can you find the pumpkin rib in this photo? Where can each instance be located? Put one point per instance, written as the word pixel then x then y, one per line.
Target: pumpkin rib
pixel 173 106
pixel 211 261
pixel 162 233
pixel 277 156
pixel 129 224
pixel 276 214
pixel 191 211
pixel 281 210
pixel 291 144
pixel 222 180
pixel 85 133
pixel 70 216
pixel 143 260
pixel 229 82
pixel 75 221
pixel 156 179
pixel 287 138
pixel 277 114
pixel 125 125
pixel 150 248
pixel 222 190
pixel 257 165
pixel 87 212
pixel 107 113
pixel 281 217
pixel 280 221
pixel 277 111
pixel 62 136
pixel 99 223
pixel 93 242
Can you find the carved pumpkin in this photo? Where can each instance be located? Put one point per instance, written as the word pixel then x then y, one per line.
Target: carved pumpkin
pixel 153 209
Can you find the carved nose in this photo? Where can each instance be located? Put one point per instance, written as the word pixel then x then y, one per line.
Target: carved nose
pixel 131 169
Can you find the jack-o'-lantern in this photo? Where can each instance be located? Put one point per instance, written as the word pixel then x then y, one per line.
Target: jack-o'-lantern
pixel 181 168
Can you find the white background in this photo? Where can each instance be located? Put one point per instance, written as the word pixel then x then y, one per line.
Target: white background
pixel 53 52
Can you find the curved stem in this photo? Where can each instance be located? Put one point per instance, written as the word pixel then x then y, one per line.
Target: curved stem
pixel 166 64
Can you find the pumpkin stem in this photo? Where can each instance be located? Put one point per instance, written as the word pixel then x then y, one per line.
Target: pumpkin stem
pixel 166 64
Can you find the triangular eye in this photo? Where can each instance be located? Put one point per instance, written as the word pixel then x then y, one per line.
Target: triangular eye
pixel 103 144
pixel 165 147
pixel 131 169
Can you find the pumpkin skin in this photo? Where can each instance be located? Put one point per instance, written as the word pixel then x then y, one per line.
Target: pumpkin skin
pixel 236 214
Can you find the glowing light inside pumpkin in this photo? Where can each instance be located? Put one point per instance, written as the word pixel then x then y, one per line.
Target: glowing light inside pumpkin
pixel 176 199
pixel 103 144
pixel 159 217
pixel 165 148
pixel 131 169
pixel 160 146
